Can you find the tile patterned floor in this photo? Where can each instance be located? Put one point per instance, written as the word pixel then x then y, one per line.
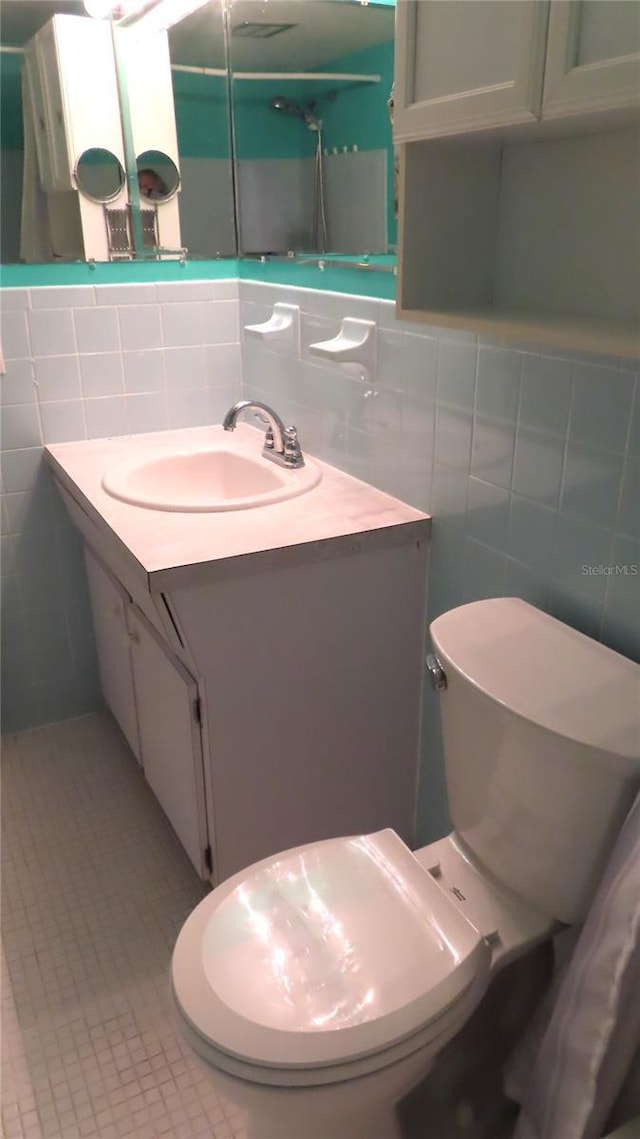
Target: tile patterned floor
pixel 95 888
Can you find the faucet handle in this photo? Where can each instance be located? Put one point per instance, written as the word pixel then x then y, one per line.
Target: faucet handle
pixel 292 452
pixel 268 438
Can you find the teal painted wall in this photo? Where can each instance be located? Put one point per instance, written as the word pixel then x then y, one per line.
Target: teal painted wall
pixel 114 273
pixel 261 132
pixel 202 115
pixel 11 134
pixel 360 283
pixel 359 114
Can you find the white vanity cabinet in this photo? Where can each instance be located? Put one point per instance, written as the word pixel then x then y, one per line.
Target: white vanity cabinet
pixel 168 715
pixel 155 701
pixel 467 65
pixel 109 606
pixel 266 664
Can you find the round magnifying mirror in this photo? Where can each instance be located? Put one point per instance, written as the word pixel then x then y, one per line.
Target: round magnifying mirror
pixel 158 176
pixel 99 174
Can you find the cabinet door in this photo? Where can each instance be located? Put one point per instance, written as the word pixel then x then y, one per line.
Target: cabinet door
pixel 109 604
pixel 468 65
pixel 593 57
pixel 168 721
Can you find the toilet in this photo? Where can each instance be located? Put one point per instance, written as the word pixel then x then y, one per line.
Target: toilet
pixel 321 984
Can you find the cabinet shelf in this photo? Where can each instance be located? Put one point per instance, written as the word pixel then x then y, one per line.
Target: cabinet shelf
pixel 536 241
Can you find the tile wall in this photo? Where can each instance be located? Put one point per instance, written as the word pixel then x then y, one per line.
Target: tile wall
pixel 528 460
pixel 81 363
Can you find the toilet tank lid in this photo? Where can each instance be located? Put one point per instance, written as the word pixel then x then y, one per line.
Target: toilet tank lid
pixel 545 671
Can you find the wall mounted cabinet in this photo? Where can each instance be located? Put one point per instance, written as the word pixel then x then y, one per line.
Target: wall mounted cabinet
pixel 593 57
pixel 518 214
pixel 481 64
pixel 467 65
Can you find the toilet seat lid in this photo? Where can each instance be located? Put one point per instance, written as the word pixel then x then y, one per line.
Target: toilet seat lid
pixel 324 954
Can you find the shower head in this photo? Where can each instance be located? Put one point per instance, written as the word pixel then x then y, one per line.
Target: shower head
pixel 279 103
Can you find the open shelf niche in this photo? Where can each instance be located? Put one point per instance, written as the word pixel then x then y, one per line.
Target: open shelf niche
pixel 531 240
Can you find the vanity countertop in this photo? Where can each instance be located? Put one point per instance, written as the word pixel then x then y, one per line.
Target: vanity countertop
pixel 170 548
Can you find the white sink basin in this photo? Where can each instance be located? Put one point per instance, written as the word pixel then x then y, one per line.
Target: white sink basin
pixel 220 476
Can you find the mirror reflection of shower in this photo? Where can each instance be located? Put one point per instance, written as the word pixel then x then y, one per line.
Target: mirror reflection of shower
pixel 306 115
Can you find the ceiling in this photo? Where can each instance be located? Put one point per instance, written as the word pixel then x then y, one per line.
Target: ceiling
pixel 322 31
pixel 21 19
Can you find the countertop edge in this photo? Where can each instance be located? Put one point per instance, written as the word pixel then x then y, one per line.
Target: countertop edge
pixel 358 532
pixel 280 557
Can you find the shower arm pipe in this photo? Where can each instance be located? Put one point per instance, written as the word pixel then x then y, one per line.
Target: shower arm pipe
pixel 298 75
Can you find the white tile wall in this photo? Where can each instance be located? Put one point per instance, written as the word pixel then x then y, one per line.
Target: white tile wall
pixel 84 363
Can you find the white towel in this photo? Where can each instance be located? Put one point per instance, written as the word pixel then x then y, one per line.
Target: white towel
pixel 594 1029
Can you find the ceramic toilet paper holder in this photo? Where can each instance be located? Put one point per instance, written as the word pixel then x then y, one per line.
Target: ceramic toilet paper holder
pixel 354 348
pixel 281 329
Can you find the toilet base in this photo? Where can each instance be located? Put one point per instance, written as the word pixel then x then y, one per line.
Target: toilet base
pixel 370 1126
pixel 362 1108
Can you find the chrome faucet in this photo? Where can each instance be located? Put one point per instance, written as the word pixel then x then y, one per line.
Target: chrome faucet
pixel 281 443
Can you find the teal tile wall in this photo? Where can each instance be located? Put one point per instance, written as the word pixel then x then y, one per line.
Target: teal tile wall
pixel 83 362
pixel 528 460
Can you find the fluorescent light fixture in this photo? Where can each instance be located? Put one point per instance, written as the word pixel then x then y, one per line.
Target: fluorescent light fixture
pixel 114 9
pixel 159 15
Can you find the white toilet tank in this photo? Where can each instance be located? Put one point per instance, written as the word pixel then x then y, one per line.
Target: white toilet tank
pixel 541 729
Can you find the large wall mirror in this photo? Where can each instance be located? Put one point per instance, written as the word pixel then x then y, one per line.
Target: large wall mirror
pixel 314 158
pixel 41 222
pixel 313 171
pixel 200 92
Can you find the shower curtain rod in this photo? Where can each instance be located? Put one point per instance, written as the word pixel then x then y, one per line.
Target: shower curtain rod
pixel 174 66
pixel 331 76
pixel 284 75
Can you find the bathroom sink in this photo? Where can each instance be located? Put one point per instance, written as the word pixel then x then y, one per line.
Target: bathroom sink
pixel 220 476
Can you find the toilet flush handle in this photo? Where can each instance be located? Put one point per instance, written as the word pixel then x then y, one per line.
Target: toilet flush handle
pixel 436 672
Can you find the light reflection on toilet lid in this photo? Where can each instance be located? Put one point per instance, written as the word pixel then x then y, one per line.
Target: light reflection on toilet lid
pixel 324 954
